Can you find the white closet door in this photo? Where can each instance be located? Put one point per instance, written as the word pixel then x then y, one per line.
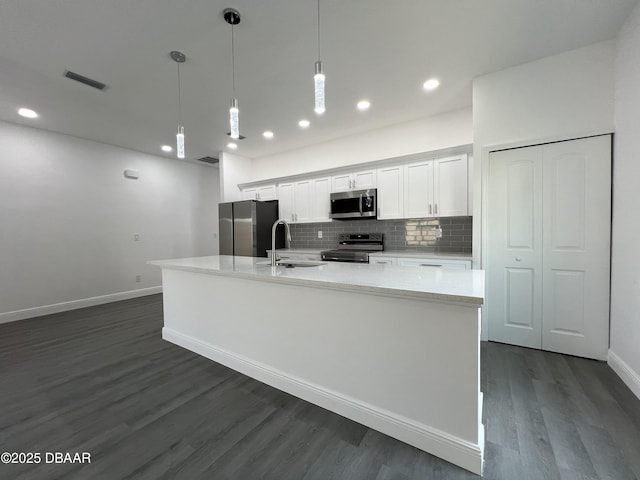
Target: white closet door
pixel 577 217
pixel 514 240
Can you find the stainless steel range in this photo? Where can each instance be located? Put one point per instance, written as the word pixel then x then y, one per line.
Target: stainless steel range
pixel 355 247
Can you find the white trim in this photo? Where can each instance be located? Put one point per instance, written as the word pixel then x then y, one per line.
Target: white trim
pixel 625 372
pixel 453 449
pixel 75 304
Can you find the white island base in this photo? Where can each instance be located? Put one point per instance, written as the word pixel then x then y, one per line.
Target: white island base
pixel 402 360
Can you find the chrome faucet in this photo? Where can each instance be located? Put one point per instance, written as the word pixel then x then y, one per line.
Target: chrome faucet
pixel 274 260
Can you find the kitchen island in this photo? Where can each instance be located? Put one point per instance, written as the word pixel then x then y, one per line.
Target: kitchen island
pixel 394 348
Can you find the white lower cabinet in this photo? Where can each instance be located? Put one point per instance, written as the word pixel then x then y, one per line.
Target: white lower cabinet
pixel 434 263
pixel 312 257
pixel 383 261
pixel 423 262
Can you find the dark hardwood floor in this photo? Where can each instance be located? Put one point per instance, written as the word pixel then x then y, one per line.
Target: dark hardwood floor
pixel 101 380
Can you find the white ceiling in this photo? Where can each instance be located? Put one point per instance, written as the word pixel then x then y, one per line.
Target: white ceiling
pixel 382 50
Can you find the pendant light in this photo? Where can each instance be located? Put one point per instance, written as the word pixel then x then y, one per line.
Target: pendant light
pixel 318 78
pixel 179 58
pixel 232 17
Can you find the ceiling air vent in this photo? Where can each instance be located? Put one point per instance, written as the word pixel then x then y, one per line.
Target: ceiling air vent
pixel 209 160
pixel 82 79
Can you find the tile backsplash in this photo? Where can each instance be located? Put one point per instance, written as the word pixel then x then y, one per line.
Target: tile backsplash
pixel 416 233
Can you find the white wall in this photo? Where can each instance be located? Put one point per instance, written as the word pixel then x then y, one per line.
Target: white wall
pixel 431 133
pixel 625 268
pixel 68 217
pixel 234 169
pixel 556 98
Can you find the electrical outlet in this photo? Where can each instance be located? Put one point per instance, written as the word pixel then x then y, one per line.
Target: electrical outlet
pixel 319 233
pixel 438 233
pixel 136 237
pixel 138 278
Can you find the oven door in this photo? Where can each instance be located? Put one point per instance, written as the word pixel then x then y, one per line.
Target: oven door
pixel 355 204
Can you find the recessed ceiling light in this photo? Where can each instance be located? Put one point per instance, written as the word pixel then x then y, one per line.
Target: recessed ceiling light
pixel 232 145
pixel 166 148
pixel 267 134
pixel 27 113
pixel 304 123
pixel 431 84
pixel 364 104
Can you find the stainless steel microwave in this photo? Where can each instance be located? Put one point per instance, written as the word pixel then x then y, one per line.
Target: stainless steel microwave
pixel 354 204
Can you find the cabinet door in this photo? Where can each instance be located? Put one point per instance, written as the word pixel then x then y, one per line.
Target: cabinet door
pixel 418 192
pixel 382 260
pixel 435 263
pixel 341 183
pixel 364 179
pixel 267 192
pixel 450 188
pixel 285 201
pixel 250 194
pixel 390 192
pixel 320 202
pixel 302 201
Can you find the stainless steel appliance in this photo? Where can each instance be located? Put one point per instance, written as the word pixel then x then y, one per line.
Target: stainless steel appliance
pixel 245 227
pixel 354 204
pixel 355 247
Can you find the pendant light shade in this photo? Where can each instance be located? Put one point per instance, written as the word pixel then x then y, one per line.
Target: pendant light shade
pixel 318 78
pixel 318 81
pixel 179 58
pixel 180 142
pixel 234 123
pixel 232 17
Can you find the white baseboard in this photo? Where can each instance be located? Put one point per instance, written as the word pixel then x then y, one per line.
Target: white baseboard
pixel 75 304
pixel 453 449
pixel 625 372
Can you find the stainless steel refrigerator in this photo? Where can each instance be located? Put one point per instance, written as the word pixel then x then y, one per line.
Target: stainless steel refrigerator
pixel 245 228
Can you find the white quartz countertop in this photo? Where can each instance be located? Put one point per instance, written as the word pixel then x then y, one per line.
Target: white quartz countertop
pixel 418 254
pixel 464 287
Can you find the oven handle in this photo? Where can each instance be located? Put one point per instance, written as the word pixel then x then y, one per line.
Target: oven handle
pixel 360 204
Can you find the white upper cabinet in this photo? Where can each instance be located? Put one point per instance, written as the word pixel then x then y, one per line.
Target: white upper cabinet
pixel 264 193
pixel 391 192
pixel 250 194
pixel 305 201
pixel 421 189
pixel 418 197
pixel 450 186
pixel 365 179
pixel 360 180
pixel 437 188
pixel 285 201
pixel 302 200
pixel 320 203
pixel 341 183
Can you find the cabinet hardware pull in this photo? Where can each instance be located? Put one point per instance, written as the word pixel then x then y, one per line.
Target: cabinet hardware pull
pixel 429 265
pixel 436 209
pixel 430 211
pixel 518 259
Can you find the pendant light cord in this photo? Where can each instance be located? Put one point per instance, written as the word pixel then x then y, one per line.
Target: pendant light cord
pixel 179 102
pixel 318 30
pixel 233 64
